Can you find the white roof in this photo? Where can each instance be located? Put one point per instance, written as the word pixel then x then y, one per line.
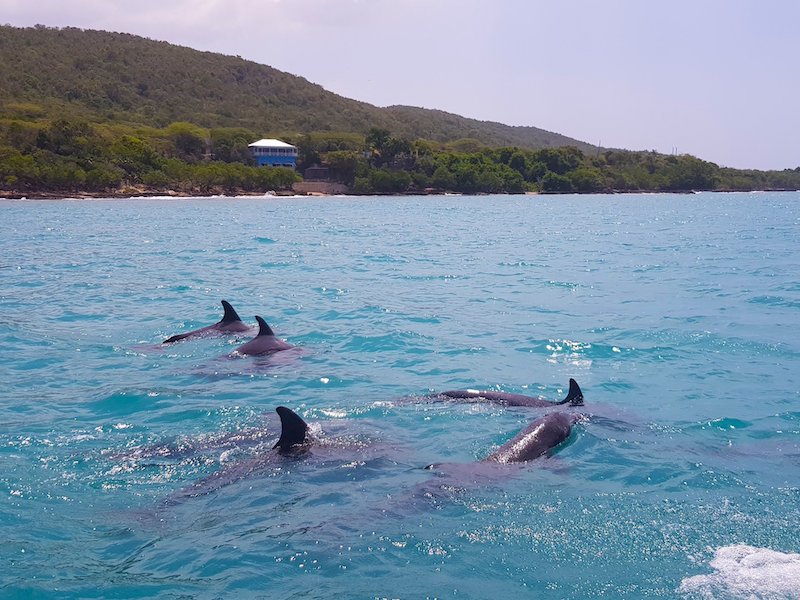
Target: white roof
pixel 270 143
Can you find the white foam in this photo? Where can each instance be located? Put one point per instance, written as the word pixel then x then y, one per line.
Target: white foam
pixel 743 571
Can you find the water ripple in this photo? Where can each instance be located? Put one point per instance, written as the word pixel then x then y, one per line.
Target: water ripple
pixel 675 314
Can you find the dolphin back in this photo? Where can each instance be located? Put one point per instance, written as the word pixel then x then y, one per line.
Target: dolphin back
pixel 542 435
pixel 263 328
pixel 265 342
pixel 294 431
pixel 230 316
pixel 230 322
pixel 574 395
pixel 177 338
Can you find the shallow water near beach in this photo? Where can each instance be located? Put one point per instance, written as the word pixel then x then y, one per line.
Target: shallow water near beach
pixel 677 314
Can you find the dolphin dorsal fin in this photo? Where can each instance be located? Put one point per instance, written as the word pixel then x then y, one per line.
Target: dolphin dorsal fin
pixel 574 396
pixel 293 429
pixel 230 315
pixel 263 328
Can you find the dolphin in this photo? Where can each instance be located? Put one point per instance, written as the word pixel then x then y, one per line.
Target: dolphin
pixel 294 435
pixel 574 397
pixel 294 431
pixel 295 440
pixel 230 323
pixel 538 438
pixel 184 447
pixel 264 343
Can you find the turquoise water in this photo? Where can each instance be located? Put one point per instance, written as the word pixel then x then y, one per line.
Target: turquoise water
pixel 677 314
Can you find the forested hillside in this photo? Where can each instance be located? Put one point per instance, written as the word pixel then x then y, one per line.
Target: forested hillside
pixel 124 78
pixel 109 113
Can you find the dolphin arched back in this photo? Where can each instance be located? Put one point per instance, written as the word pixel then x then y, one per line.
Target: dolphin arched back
pixel 230 316
pixel 294 431
pixel 538 438
pixel 264 329
pixel 264 343
pixel 230 323
pixel 574 396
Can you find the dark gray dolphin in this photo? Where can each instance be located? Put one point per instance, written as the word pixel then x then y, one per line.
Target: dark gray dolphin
pixel 230 323
pixel 264 343
pixel 186 447
pixel 294 440
pixel 538 438
pixel 574 397
pixel 294 431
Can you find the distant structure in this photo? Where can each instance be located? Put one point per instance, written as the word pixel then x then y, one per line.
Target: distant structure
pixel 316 173
pixel 274 153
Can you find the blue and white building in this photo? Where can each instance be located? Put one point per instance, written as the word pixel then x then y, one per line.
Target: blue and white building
pixel 274 153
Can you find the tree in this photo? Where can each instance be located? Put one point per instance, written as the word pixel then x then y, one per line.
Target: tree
pixel 376 138
pixel 343 165
pixel 518 162
pixel 395 147
pixel 230 144
pixel 134 156
pixel 188 141
pixel 553 182
pixel 586 179
pixel 442 178
pixel 389 181
pixel 69 138
pixel 690 173
pixel 560 160
pixel 536 171
pixel 18 171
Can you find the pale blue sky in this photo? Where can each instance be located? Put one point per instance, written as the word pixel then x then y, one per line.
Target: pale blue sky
pixel 714 78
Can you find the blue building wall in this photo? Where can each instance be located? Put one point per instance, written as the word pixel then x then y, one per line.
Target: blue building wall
pixel 273 161
pixel 275 157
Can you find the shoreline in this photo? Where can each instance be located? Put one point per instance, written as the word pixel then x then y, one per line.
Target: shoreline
pixel 169 193
pixel 136 193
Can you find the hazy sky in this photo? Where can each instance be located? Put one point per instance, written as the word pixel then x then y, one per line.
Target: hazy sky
pixel 719 79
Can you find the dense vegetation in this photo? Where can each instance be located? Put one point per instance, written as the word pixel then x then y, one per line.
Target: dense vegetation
pixel 76 156
pixel 88 111
pixel 113 77
pixel 396 165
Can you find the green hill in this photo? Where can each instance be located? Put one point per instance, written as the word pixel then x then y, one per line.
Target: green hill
pixel 116 114
pixel 114 77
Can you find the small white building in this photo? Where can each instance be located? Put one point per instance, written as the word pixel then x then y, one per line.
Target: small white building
pixel 274 153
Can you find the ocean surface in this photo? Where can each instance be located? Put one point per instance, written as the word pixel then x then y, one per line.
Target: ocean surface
pixel 131 469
